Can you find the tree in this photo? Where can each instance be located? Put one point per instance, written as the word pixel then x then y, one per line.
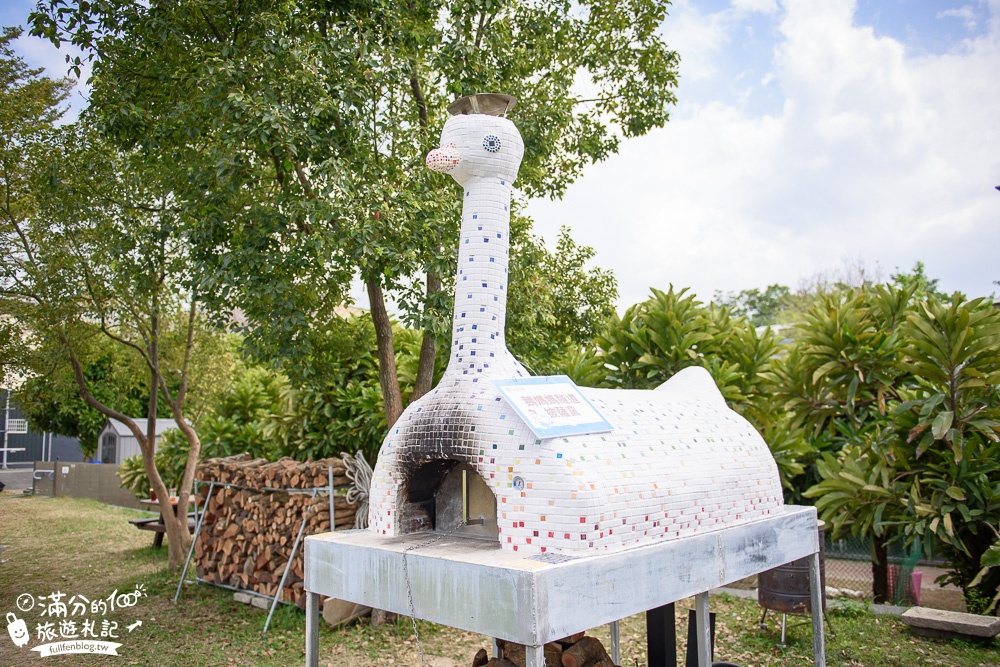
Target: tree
pixel 919 432
pixel 842 386
pixel 50 397
pixel 98 253
pixel 301 129
pixel 951 424
pixel 922 284
pixel 759 308
pixel 29 109
pixel 555 301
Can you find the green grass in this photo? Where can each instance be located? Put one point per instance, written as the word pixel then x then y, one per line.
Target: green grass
pixel 81 547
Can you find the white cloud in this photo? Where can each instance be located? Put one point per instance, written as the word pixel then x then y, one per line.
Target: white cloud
pixel 875 153
pixel 762 6
pixel 697 37
pixel 966 13
pixel 701 38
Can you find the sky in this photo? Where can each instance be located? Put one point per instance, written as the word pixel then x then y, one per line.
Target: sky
pixel 808 135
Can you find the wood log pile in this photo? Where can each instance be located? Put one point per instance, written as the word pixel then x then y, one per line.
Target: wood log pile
pixel 576 650
pixel 248 533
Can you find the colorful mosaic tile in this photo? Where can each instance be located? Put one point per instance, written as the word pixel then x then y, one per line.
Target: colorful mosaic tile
pixel 679 463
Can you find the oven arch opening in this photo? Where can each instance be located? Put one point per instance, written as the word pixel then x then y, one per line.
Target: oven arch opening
pixel 448 497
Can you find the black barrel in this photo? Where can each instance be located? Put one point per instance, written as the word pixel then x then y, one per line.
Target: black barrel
pixel 786 587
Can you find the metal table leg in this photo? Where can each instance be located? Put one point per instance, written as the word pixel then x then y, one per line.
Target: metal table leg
pixel 704 630
pixel 616 650
pixel 816 595
pixel 661 636
pixel 534 656
pixel 312 629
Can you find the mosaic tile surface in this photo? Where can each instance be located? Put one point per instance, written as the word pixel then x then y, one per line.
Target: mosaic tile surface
pixel 679 461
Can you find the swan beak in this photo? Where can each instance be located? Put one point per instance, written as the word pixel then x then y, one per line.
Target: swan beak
pixel 444 159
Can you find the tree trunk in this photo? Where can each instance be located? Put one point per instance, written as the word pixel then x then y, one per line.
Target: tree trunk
pixel 392 400
pixel 880 571
pixel 428 348
pixel 187 481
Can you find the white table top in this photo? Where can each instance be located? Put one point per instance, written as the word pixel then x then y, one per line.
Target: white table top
pixel 470 583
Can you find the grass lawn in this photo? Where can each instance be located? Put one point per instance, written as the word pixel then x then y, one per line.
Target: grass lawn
pixel 80 547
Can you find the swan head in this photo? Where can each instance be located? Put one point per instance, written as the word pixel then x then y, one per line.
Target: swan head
pixel 478 144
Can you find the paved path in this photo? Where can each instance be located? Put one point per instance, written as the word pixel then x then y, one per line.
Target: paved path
pixel 16 479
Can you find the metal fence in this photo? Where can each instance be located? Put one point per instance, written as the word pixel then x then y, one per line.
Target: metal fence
pixel 849 566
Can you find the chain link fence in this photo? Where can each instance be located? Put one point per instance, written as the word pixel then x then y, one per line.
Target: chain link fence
pixel 849 568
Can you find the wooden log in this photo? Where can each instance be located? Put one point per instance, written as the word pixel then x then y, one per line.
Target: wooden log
pixel 566 642
pixel 588 652
pixel 516 653
pixel 481 658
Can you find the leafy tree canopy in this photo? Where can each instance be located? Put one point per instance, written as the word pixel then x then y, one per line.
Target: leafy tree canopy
pixel 50 397
pixel 760 308
pixel 293 133
pixel 922 284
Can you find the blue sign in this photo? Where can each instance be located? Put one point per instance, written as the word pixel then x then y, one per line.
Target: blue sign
pixel 552 406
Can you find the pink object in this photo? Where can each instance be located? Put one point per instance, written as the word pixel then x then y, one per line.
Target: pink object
pixel 444 159
pixel 915 579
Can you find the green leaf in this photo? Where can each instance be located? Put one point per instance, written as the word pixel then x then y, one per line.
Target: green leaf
pixel 991 558
pixel 852 478
pixel 941 424
pixel 955 493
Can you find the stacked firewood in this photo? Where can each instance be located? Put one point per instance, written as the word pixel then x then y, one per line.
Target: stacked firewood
pixel 285 473
pixel 249 529
pixel 576 650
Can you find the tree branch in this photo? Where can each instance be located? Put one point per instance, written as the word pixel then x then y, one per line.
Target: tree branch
pixel 428 347
pixel 418 97
pixel 88 398
pixel 211 27
pixel 279 174
pixel 21 235
pixel 304 180
pixel 189 346
pixel 479 29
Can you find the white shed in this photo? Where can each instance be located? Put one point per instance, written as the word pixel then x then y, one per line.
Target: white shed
pixel 116 442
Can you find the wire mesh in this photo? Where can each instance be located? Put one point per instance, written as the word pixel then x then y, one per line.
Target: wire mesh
pixel 849 567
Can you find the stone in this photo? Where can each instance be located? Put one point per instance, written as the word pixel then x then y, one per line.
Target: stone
pixel 260 603
pixel 243 598
pixel 951 624
pixel 337 612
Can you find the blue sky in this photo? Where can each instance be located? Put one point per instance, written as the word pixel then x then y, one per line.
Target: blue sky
pixel 808 134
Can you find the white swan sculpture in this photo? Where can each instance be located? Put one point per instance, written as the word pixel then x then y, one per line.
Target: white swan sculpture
pixel 678 461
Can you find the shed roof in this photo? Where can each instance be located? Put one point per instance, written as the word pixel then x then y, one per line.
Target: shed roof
pixel 162 425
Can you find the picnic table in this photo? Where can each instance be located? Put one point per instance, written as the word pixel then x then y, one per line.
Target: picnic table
pixel 155 524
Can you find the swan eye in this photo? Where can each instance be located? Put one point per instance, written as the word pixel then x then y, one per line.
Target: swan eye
pixel 491 143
